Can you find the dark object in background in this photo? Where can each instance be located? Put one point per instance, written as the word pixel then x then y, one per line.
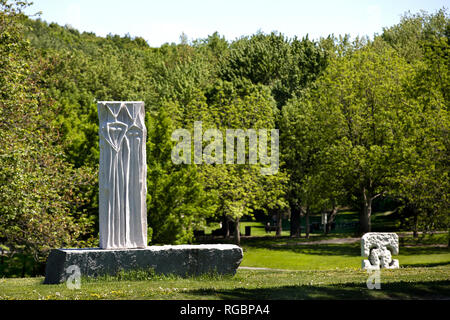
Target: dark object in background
pixel 270 227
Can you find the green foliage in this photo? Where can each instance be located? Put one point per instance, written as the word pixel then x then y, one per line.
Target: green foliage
pixel 358 120
pixel 242 188
pixel 177 202
pixel 423 183
pixel 286 66
pixel 414 30
pixel 41 196
pixel 361 117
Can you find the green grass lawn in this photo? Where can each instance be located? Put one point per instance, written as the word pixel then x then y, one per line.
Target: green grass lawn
pixel 321 257
pixel 288 254
pixel 405 283
pixel 315 271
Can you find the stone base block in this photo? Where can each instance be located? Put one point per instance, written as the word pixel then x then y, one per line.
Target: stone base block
pixel 182 260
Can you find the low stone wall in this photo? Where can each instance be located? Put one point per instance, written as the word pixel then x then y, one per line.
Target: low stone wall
pixel 182 260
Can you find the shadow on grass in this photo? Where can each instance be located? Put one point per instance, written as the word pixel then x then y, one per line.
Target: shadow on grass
pixel 295 245
pixel 317 249
pixel 426 265
pixel 423 250
pixel 265 240
pixel 352 291
pixel 326 249
pixel 348 249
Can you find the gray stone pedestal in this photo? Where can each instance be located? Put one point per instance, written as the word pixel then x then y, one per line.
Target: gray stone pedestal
pixel 182 260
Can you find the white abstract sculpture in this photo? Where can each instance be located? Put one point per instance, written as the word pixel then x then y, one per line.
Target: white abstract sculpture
pixel 379 248
pixel 122 175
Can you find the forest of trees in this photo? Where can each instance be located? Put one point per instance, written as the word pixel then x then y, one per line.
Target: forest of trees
pixel 360 120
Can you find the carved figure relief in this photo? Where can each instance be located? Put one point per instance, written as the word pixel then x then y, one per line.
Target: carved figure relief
pixel 122 175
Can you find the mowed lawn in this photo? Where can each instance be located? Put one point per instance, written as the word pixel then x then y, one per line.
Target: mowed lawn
pixel 330 256
pixel 304 271
pixel 405 283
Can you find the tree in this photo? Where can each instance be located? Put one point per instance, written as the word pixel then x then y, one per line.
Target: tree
pixel 241 188
pixel 285 65
pixel 408 36
pixel 39 190
pixel 423 189
pixel 297 155
pixel 177 203
pixel 314 184
pixel 423 39
pixel 364 121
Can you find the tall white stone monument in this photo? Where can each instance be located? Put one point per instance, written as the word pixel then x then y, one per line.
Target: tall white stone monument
pixel 123 217
pixel 122 175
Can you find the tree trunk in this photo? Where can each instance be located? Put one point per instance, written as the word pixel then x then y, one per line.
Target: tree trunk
pixel 324 216
pixel 327 228
pixel 33 270
pixel 333 214
pixel 226 226
pixel 300 222
pixel 279 223
pixel 24 262
pixel 307 222
pixel 416 224
pixel 364 221
pixel 448 244
pixel 237 233
pixel 295 222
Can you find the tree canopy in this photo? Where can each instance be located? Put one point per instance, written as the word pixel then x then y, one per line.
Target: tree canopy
pixel 358 120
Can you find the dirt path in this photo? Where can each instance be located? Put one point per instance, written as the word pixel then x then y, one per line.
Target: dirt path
pixel 352 240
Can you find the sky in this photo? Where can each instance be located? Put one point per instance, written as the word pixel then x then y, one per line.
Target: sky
pixel 159 22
